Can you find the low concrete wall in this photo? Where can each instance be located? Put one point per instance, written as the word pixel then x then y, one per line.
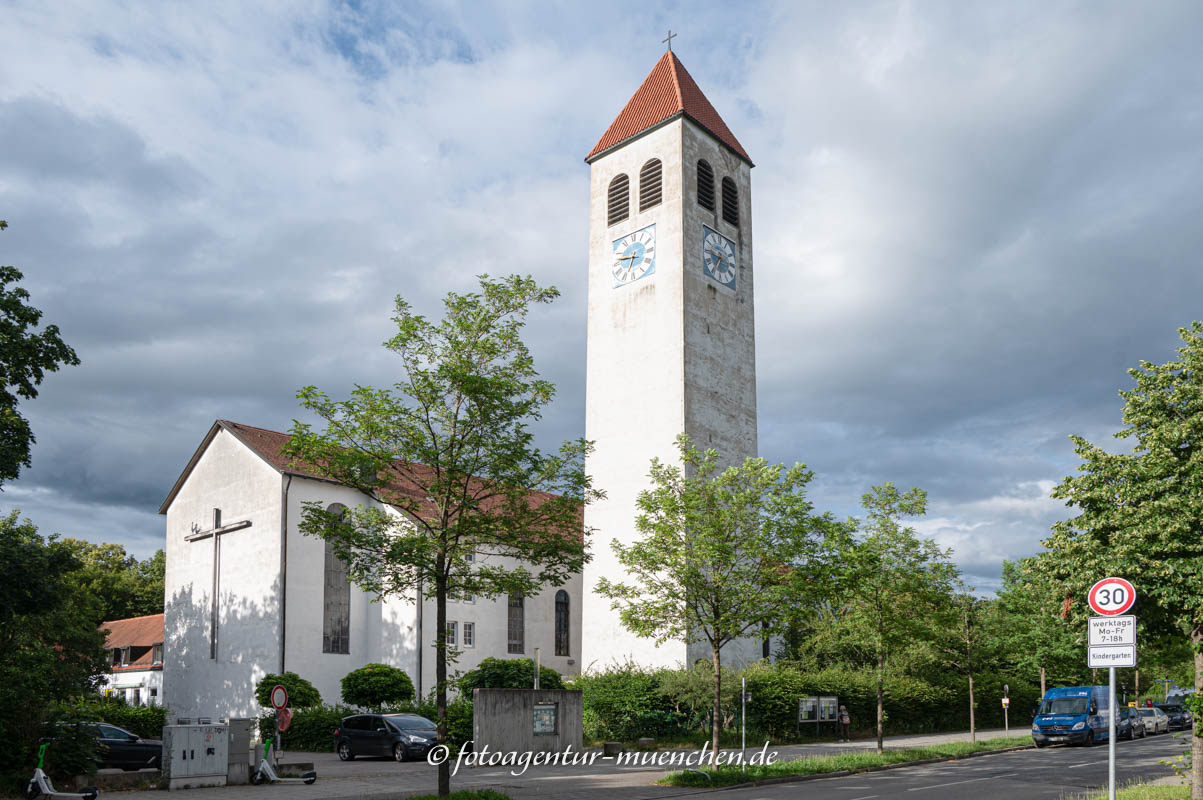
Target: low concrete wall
pixel 115 779
pixel 539 721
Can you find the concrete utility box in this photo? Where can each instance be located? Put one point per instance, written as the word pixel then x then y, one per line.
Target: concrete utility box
pixel 239 768
pixel 195 755
pixel 538 720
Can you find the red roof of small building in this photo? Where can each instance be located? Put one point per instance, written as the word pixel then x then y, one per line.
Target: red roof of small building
pixel 667 91
pixel 135 632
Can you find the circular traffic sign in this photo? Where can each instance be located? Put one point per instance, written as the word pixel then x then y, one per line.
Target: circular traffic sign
pixel 1111 596
pixel 279 697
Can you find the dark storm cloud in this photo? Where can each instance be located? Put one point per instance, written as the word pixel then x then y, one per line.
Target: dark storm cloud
pixel 970 220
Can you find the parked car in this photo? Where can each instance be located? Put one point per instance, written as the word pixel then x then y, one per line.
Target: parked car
pixel 400 736
pixel 1156 720
pixel 1180 718
pixel 1129 724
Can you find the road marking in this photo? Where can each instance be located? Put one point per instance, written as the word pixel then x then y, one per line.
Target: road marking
pixel 1087 764
pixel 866 797
pixel 954 783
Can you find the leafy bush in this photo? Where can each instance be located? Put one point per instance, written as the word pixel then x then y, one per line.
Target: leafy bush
pixel 507 673
pixel 625 703
pixel 377 685
pixel 301 693
pixel 459 718
pixel 311 730
pixel 144 721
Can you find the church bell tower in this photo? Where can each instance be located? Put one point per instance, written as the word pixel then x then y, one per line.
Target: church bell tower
pixel 671 339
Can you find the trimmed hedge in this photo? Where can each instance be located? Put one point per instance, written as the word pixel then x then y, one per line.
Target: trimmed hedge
pixel 145 721
pixel 312 729
pixel 376 686
pixel 507 673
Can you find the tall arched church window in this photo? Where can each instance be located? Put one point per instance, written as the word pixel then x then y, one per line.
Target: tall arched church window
pixel 336 598
pixel 618 200
pixel 730 202
pixel 561 623
pixel 705 185
pixel 650 184
pixel 516 625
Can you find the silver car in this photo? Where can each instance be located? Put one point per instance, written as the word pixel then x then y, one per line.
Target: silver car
pixel 1156 720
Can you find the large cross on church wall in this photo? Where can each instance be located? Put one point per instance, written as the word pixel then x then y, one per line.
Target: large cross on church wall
pixel 215 533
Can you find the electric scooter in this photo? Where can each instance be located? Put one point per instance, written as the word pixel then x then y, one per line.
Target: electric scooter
pixel 40 784
pixel 265 774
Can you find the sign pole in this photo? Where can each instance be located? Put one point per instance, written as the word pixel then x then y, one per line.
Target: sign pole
pixel 1111 737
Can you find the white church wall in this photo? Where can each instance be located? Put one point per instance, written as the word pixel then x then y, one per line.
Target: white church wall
pixel 635 401
pixel 230 477
pixel 380 632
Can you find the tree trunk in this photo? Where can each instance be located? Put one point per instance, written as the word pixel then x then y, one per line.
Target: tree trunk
pixel 440 678
pixel 881 669
pixel 716 724
pixel 1196 742
pixel 1044 682
pixel 972 721
pixel 1138 685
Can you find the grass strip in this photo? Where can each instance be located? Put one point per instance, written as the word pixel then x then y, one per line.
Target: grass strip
pixel 851 762
pixel 1144 791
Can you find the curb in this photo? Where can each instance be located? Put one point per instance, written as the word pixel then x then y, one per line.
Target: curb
pixel 845 772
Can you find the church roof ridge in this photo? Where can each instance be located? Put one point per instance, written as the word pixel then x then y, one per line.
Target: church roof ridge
pixel 668 91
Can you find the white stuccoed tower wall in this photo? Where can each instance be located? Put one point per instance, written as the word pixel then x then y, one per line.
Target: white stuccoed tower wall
pixel 671 352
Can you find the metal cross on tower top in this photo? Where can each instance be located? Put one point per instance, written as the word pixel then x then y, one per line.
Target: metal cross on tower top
pixel 669 40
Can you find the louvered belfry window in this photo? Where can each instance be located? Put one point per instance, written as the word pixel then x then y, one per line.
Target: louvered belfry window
pixel 562 623
pixel 619 200
pixel 705 185
pixel 650 184
pixel 730 202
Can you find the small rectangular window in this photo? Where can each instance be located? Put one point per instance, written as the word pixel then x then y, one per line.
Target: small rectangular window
pixel 516 625
pixel 469 634
pixel 451 633
pixel 157 654
pixel 125 656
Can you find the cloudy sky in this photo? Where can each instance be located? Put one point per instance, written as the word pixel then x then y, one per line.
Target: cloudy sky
pixel 970 220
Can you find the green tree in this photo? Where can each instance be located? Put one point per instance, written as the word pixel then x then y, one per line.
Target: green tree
pixel 50 649
pixel 894 582
pixel 301 693
pixel 720 555
pixel 449 447
pixel 1140 513
pixel 122 585
pixel 968 640
pixel 507 673
pixel 25 357
pixel 1039 638
pixel 377 685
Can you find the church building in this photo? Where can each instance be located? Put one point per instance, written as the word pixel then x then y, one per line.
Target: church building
pixel 670 349
pixel 248 594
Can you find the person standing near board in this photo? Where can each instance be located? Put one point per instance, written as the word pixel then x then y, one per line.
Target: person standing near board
pixel 844 721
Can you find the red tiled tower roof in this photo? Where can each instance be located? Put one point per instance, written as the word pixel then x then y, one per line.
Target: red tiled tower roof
pixel 667 91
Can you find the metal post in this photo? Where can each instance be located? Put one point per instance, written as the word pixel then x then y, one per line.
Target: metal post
pixel 276 740
pixel 1007 719
pixel 743 722
pixel 1111 736
pixel 538 666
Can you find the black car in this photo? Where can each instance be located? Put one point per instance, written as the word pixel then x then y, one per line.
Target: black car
pixel 1180 718
pixel 1129 724
pixel 117 747
pixel 399 736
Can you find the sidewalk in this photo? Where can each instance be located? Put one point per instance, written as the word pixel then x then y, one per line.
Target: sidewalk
pixel 383 779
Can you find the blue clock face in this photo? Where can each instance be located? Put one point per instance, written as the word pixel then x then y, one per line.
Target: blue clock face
pixel 718 257
pixel 634 256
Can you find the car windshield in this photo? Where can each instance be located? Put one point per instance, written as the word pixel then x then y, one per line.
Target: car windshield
pixel 1065 705
pixel 409 723
pixel 1171 709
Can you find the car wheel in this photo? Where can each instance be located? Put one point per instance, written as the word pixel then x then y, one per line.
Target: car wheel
pixel 344 751
pixel 1041 744
pixel 1090 739
pixel 399 752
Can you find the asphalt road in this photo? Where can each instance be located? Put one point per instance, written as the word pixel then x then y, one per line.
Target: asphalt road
pixel 1054 772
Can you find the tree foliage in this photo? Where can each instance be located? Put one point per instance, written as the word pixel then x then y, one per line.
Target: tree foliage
pixel 507 673
pixel 122 585
pixel 1140 513
pixel 377 685
pixel 894 582
pixel 301 693
pixel 26 355
pixel 721 553
pixel 467 503
pixel 50 649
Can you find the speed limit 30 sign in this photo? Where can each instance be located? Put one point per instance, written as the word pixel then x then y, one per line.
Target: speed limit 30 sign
pixel 1111 596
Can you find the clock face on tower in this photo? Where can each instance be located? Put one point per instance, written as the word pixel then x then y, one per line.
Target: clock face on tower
pixel 634 256
pixel 718 257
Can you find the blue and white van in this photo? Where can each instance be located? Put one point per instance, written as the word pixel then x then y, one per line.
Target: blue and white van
pixel 1072 715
